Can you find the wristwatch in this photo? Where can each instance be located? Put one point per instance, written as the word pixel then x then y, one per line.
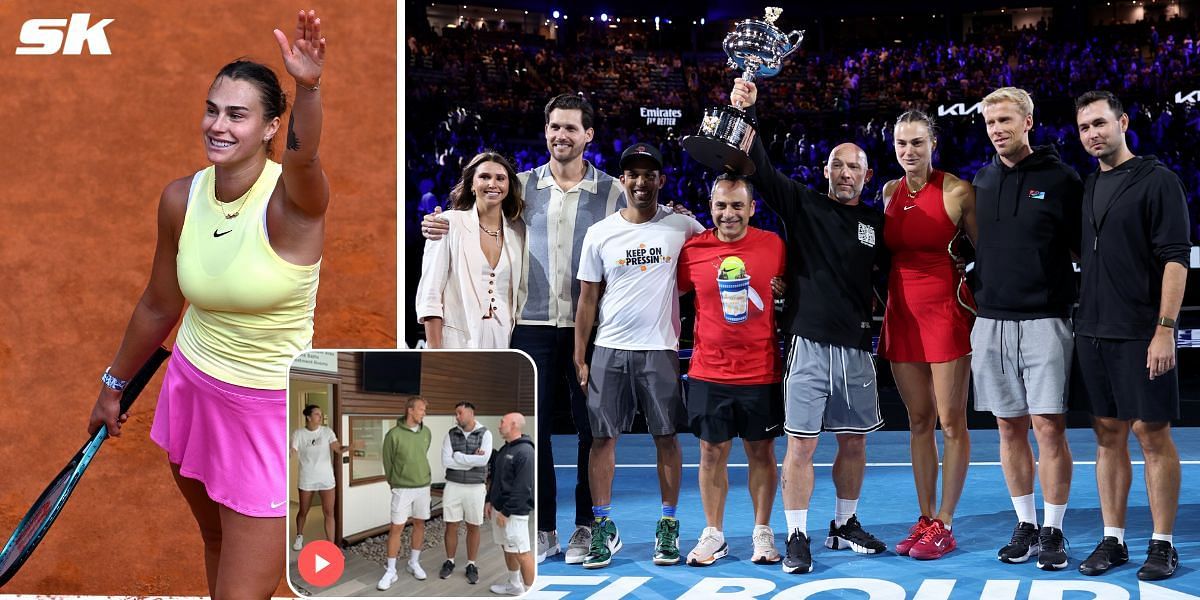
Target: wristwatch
pixel 1166 322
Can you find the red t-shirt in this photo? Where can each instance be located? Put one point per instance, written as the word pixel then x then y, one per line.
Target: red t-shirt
pixel 737 346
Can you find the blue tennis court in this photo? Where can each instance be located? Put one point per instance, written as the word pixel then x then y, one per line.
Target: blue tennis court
pixel 982 525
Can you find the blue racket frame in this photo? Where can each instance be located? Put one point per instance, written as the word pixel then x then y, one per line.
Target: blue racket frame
pixel 50 503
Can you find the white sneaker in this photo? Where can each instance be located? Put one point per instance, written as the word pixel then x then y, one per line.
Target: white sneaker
pixel 764 546
pixel 709 549
pixel 547 545
pixel 579 545
pixel 508 588
pixel 388 579
pixel 416 570
pixel 299 545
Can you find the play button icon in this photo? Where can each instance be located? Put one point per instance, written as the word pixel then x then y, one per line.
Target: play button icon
pixel 321 563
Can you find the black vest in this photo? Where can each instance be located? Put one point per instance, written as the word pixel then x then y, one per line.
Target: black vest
pixel 467 443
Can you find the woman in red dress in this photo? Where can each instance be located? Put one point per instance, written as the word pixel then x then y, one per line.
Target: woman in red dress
pixel 927 327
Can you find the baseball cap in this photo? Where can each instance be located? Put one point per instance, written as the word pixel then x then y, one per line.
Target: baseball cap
pixel 641 150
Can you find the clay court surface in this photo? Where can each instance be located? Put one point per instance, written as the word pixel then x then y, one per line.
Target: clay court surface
pixel 90 141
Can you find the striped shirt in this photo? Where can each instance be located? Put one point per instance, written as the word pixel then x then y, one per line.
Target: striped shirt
pixel 555 223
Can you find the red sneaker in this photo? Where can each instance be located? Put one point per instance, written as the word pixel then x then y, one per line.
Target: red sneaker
pixel 914 534
pixel 936 542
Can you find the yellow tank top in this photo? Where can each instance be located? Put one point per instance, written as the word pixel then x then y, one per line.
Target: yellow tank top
pixel 250 311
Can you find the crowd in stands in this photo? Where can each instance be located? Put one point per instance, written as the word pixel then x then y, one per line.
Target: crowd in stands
pixel 497 85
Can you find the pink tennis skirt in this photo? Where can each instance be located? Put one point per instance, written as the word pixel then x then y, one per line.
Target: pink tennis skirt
pixel 232 439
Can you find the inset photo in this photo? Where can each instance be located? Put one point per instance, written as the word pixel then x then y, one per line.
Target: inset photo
pixel 411 473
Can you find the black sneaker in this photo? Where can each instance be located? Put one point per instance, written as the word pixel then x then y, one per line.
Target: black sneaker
pixel 853 536
pixel 1109 553
pixel 1052 554
pixel 472 573
pixel 447 569
pixel 1161 561
pixel 1022 545
pixel 799 558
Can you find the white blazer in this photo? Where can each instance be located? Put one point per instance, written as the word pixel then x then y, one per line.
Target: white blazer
pixel 449 272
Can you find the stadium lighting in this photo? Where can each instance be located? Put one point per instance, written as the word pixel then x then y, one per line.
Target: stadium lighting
pixel 656 26
pixel 701 20
pixel 603 17
pixel 618 19
pixel 592 18
pixel 554 14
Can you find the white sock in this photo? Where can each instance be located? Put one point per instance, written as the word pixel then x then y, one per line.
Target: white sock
pixel 797 519
pixel 1117 532
pixel 415 557
pixel 1166 537
pixel 1054 515
pixel 450 560
pixel 1026 509
pixel 469 562
pixel 843 510
pixel 717 533
pixel 391 564
pixel 514 577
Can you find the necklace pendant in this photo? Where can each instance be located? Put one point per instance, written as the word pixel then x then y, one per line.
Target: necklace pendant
pixel 232 215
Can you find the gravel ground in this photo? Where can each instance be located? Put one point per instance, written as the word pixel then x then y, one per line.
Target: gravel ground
pixel 375 548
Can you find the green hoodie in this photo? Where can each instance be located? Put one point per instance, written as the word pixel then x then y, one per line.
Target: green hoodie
pixel 405 457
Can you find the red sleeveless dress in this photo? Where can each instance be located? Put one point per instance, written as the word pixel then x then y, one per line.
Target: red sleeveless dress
pixel 923 321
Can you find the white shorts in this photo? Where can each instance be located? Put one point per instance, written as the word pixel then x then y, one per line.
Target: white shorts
pixel 463 502
pixel 514 536
pixel 410 502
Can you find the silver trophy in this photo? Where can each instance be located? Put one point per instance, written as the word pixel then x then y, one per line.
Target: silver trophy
pixel 758 48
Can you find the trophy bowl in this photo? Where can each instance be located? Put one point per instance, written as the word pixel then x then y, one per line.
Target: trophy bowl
pixel 726 135
pixel 723 142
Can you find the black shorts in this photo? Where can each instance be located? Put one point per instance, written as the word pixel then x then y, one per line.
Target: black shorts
pixel 718 412
pixel 1110 379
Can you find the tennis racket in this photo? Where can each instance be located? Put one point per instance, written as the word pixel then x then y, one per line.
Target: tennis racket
pixel 37 521
pixel 962 292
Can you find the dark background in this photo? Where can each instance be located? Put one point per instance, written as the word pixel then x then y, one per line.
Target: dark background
pixel 477 77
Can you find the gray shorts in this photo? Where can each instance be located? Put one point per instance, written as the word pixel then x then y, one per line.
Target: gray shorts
pixel 621 382
pixel 829 388
pixel 1021 367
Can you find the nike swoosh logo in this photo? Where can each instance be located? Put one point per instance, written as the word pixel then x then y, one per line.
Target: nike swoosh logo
pixel 910 206
pixel 217 235
pixel 867 384
pixel 773 428
pixel 278 504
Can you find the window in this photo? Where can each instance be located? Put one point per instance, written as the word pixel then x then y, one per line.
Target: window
pixel 366 465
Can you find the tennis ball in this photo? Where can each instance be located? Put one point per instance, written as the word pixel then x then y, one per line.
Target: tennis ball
pixel 732 268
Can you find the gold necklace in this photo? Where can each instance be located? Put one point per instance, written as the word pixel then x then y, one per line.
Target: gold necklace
pixel 913 194
pixel 495 234
pixel 221 205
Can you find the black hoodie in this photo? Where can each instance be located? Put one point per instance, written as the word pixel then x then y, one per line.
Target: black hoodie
pixel 1028 219
pixel 1126 246
pixel 512 478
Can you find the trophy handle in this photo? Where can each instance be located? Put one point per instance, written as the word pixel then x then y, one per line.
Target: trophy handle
pixel 793 45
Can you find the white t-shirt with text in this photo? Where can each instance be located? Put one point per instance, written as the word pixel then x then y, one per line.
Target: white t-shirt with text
pixel 639 309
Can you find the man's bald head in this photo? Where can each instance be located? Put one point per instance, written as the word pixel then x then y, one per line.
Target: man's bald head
pixel 512 425
pixel 848 172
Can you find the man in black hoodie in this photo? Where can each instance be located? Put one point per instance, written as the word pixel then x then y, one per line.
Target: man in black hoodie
pixel 510 500
pixel 1134 256
pixel 1028 206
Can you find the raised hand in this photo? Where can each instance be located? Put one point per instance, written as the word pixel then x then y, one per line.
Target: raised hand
pixel 304 57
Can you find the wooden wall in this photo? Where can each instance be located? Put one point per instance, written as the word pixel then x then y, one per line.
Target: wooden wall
pixel 495 382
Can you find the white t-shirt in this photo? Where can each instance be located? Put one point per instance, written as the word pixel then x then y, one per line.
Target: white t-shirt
pixel 639 309
pixel 316 468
